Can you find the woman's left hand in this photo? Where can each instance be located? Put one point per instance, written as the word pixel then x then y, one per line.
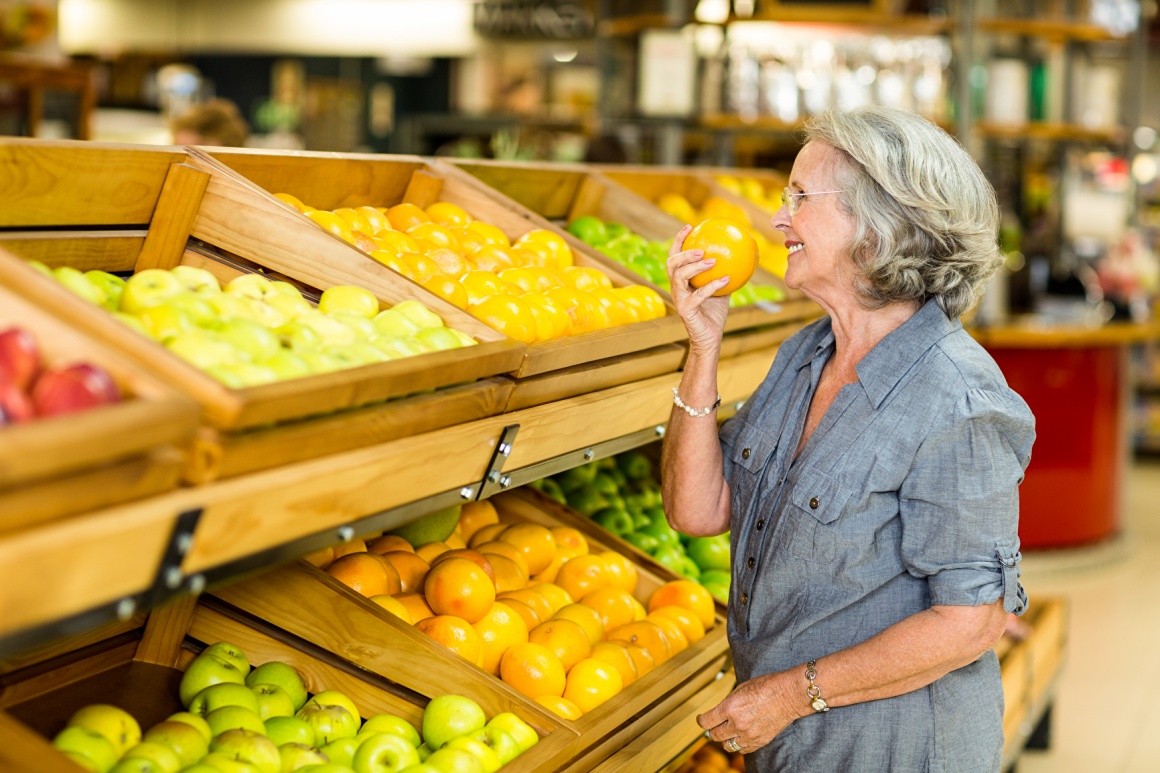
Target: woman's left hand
pixel 754 713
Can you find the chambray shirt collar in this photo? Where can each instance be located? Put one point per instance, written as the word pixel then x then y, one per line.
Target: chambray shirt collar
pixel 885 365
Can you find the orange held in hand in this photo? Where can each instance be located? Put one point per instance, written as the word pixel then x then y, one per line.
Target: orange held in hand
pixel 733 247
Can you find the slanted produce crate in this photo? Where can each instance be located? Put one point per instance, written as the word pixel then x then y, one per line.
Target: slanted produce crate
pixel 124 209
pixel 329 181
pixel 307 603
pixel 56 466
pixel 1031 669
pixel 138 667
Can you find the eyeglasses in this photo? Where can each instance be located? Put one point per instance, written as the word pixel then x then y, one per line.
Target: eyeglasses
pixel 792 201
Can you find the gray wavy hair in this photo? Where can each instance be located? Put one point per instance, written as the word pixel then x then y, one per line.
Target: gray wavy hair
pixel 927 219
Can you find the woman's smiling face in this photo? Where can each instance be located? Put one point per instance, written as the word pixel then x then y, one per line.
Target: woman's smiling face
pixel 819 233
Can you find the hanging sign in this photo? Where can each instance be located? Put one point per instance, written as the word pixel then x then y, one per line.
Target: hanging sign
pixel 534 19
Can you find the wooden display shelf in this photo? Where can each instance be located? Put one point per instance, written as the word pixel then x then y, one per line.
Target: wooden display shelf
pixel 1031 670
pixel 65 465
pixel 1050 29
pixel 1052 132
pixel 139 670
pixel 329 181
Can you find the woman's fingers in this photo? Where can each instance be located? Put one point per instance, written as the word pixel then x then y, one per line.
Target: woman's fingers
pixel 679 240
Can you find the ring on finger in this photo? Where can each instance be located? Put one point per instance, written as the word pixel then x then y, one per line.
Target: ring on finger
pixel 732 745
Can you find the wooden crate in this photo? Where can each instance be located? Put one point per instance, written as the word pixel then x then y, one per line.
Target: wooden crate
pixel 69 464
pixel 180 194
pixel 329 181
pixel 307 603
pixel 1031 670
pixel 139 669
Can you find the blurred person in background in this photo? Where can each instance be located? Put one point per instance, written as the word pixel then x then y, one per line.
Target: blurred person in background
pixel 216 122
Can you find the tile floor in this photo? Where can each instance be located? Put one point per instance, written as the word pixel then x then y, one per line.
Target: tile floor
pixel 1107 716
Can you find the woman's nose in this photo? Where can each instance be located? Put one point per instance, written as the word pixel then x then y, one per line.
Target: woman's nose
pixel 781 219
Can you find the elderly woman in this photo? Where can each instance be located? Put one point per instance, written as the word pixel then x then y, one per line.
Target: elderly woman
pixel 870 483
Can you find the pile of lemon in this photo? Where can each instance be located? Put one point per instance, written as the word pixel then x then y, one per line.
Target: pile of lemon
pixel 529 290
pixel 771 255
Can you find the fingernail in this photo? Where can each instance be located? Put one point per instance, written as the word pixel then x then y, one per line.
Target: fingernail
pixel 709 261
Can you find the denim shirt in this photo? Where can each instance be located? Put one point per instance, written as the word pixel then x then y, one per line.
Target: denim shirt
pixel 904 497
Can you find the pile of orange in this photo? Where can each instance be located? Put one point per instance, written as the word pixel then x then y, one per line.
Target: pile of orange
pixel 529 604
pixel 530 290
pixel 712 758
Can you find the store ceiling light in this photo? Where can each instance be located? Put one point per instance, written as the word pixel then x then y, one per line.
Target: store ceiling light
pixel 563 57
pixel 712 11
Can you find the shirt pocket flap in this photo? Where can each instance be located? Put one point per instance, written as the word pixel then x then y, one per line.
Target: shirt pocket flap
pixel 753 449
pixel 819 494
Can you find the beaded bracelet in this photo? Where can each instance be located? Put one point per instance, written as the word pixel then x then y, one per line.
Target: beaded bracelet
pixel 695 412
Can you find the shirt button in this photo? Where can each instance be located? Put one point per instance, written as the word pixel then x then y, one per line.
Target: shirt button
pixel 744 599
pixel 752 563
pixel 814 503
pixel 745 453
pixel 760 525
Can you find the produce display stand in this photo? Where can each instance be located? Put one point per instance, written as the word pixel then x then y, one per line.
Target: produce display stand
pixel 58 466
pixel 1031 670
pixel 329 181
pixel 65 186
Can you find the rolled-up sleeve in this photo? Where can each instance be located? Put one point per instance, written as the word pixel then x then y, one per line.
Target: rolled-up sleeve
pixel 960 502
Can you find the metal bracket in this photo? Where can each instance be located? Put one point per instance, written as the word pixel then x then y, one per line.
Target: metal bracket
pixel 170 577
pixel 494 480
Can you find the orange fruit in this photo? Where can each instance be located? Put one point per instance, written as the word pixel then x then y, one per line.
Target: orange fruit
pixel 507 314
pixel 356 545
pixel 499 629
pixel 642 659
pixel 619 312
pixel 501 548
pixel 561 707
pixel 450 262
pixel 688 594
pixel 549 574
pixel 436 233
pixel 356 220
pixel 530 618
pixel 455 542
pixel 586 617
pixel 396 242
pixel 733 247
pixel 374 218
pixel 491 257
pixel 530 280
pixel 715 206
pixel 363 241
pixel 536 601
pixel 576 306
pixel 403 217
pixel 487 533
pixel 615 654
pixel 551 320
pixel 459 587
pixel 422 267
pixel 429 551
pixel 475 515
pixel 648 636
pixel 295 202
pixel 415 604
pixel 711 757
pixel 389 543
pixel 395 607
pixel 508 574
pixel 393 262
pixel 612 604
pixel 591 682
pixel 366 573
pixel 454 633
pixel 678 642
pixel 569 542
pixel 535 542
pixel 689 623
pixel 641 612
pixel 621 572
pixel 564 638
pixel 556 244
pixel 489 233
pixel 480 284
pixel 320 558
pixel 445 213
pixel 532 670
pixel 447 289
pixel 556 596
pixel 582 575
pixel 471 555
pixel 328 221
pixel 584 278
pixel 412 570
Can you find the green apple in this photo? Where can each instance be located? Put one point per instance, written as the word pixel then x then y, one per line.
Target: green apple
pixel 299 755
pixel 113 722
pixel 204 349
pixel 335 698
pixel 201 767
pixel 266 314
pixel 228 694
pixel 286 365
pixel 110 284
pixel 689 569
pixel 454 761
pixel 248 746
pixel 239 375
pixel 332 333
pixel 149 288
pixel 229 306
pixel 288 301
pixel 643 542
pixel 709 553
pixel 206 670
pixel 364 329
pixel 75 281
pixel 165 322
pixel 356 300
pixel 185 740
pixel 464 338
pixel 500 742
pixel 320 362
pixel 196 280
pixel 158 753
pixel 589 229
pixel 196 307
pixel 389 723
pixel 670 557
pixel 298 336
pixel 331 767
pixel 450 716
pixel 136 765
pixel 397 348
pixel 395 324
pixel 36 264
pixel 91 745
pixel 521 732
pixel 424 752
pixel 481 751
pixel 329 722
pixel 284 730
pixel 358 354
pixel 422 768
pixel 130 321
pixel 273 701
pixel 251 338
pixel 384 753
pixel 665 534
pixel 437 339
pixel 341 751
pixel 419 314
pixel 615 520
pixel 253 286
pixel 194 721
pixel 233 718
pixel 285 676
pixel 222 763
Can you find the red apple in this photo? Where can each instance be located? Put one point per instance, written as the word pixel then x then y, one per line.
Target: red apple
pixel 19 357
pixel 15 405
pixel 73 388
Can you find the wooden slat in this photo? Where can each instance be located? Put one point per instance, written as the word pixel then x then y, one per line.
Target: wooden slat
pixel 423 189
pixel 111 251
pixel 71 644
pixel 1065 337
pixel 24 751
pixel 66 674
pixel 593 376
pixel 165 631
pixel 173 219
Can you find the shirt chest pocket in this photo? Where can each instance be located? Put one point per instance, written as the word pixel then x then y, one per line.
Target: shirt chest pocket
pixel 813 528
pixel 751 455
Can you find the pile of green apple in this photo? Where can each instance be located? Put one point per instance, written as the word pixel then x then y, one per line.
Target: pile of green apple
pixel 254 330
pixel 646 258
pixel 623 494
pixel 263 720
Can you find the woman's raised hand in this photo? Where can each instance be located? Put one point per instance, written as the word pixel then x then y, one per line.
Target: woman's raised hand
pixel 703 314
